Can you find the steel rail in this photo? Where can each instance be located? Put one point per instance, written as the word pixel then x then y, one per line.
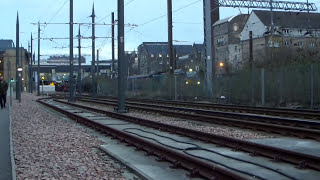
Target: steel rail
pixel 302 113
pixel 297 158
pixel 196 166
pixel 275 120
pixel 255 123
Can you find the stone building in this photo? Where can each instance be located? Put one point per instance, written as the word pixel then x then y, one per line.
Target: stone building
pixel 153 57
pixel 227 41
pixel 295 34
pixel 8 65
pixel 194 60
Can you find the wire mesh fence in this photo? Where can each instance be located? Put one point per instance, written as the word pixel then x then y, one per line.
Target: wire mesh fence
pixel 290 86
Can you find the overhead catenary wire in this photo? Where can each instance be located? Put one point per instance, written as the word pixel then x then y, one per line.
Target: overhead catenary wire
pixel 103 18
pixel 174 11
pixel 58 11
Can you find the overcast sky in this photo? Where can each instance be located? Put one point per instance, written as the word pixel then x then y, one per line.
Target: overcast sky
pixel 188 22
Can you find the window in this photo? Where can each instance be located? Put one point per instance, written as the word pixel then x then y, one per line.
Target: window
pixel 197 68
pixel 186 67
pixel 300 31
pixel 235 27
pixel 276 44
pixel 221 41
pixel 235 48
pixel 300 44
pixel 312 44
pixel 160 55
pixel 236 57
pixel 287 43
pixel 285 31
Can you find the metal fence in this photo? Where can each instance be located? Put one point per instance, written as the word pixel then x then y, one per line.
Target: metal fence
pixel 290 86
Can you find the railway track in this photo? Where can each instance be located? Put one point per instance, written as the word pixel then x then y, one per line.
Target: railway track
pixel 285 126
pixel 282 112
pixel 196 166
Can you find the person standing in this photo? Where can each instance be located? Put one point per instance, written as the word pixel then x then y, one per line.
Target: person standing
pixel 3 92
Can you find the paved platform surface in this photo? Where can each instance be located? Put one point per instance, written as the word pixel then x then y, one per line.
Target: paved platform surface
pixel 5 156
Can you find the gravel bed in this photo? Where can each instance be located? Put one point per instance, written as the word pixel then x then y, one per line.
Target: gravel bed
pixel 48 147
pixel 212 128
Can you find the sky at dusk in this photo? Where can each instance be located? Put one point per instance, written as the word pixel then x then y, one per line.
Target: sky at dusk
pixel 149 15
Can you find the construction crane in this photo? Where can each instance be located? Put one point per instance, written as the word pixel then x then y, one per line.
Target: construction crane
pixel 211 15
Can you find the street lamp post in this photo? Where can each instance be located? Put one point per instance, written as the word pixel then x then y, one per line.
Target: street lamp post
pixel 42 82
pixel 19 84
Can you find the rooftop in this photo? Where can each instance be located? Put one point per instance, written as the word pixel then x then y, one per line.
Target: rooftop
pixel 289 19
pixel 162 48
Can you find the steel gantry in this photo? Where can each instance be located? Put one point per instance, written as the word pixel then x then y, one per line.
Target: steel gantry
pixel 267 4
pixel 211 15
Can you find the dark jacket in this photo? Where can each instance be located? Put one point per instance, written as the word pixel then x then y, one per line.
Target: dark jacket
pixel 3 87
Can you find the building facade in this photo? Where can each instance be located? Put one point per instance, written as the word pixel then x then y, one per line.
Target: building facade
pixel 8 65
pixel 294 35
pixel 227 41
pixel 153 57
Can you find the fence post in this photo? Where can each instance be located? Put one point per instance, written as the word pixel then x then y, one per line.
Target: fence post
pixel 262 87
pixel 311 85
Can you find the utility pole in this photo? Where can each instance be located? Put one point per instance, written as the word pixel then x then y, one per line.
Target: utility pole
pixel 112 44
pixel 18 86
pixel 38 72
pixel 251 67
pixel 93 63
pixel 10 84
pixel 79 69
pixel 33 73
pixel 71 54
pixel 272 21
pixel 170 45
pixel 31 67
pixel 98 69
pixel 121 58
pixel 211 15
